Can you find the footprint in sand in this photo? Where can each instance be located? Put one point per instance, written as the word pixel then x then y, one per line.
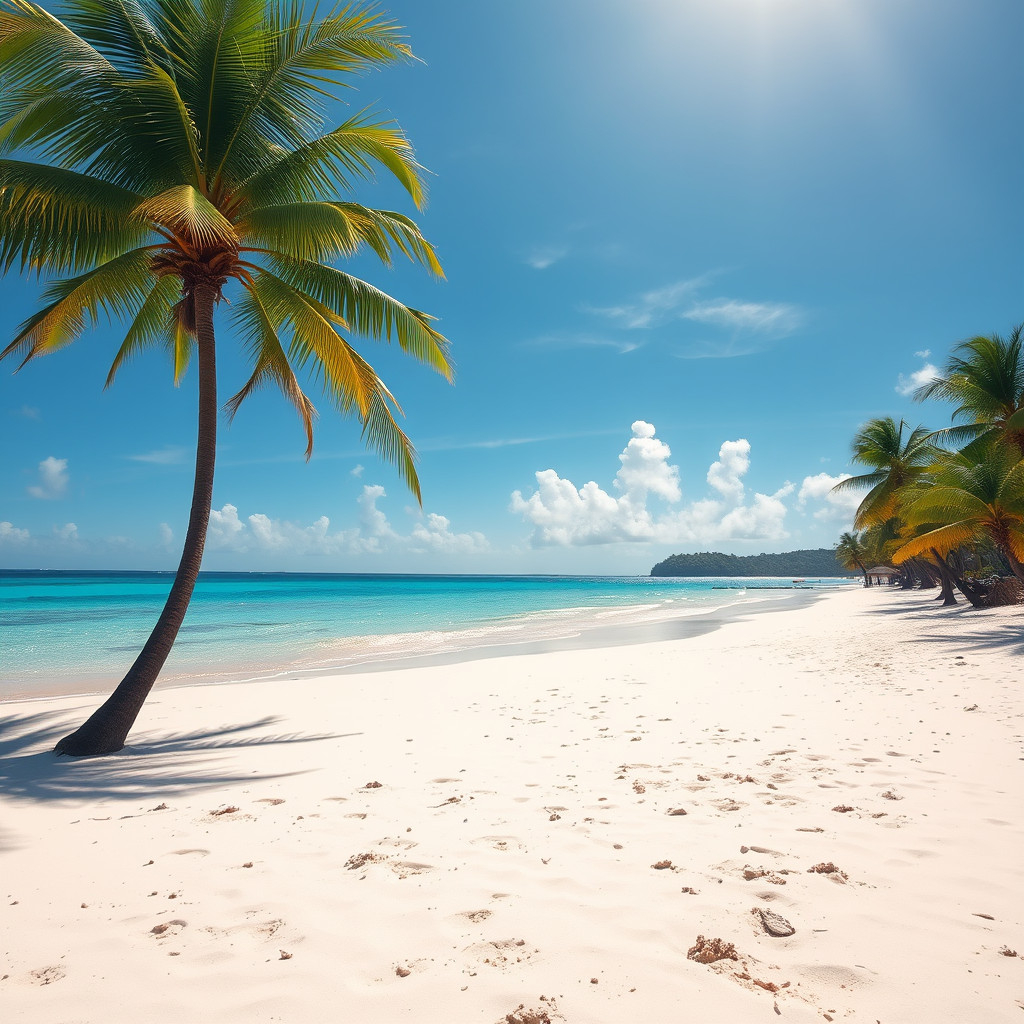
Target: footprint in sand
pixel 406 868
pixel 504 844
pixel 48 975
pixel 198 851
pixel 501 953
pixel 476 916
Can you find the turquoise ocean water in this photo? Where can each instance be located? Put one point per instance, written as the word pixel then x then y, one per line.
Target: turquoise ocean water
pixel 76 632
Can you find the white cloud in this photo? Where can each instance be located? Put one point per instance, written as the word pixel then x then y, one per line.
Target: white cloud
pixel 544 256
pixel 170 455
pixel 908 385
pixel 30 412
pixel 726 474
pixel 924 353
pixel 435 534
pixel 166 536
pixel 374 534
pixel 68 532
pixel 645 469
pixel 743 326
pixel 53 479
pixel 817 489
pixel 563 514
pixel 356 471
pixel 652 307
pixel 11 534
pixel 773 318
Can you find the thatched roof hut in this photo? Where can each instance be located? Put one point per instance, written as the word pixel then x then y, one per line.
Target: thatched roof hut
pixel 882 574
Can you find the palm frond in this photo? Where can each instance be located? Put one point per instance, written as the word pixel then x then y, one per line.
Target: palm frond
pixel 316 345
pixel 153 324
pixel 301 59
pixel 121 30
pixel 327 166
pixel 271 363
pixel 302 231
pixel 368 310
pixel 61 220
pixel 190 216
pixel 383 434
pixel 117 288
pixel 943 539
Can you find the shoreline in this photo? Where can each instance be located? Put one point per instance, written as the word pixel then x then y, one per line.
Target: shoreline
pixel 556 629
pixel 450 842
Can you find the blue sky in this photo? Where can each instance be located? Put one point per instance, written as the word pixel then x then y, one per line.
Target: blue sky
pixel 690 246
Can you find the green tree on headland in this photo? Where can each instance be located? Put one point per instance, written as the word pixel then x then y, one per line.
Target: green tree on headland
pixel 177 149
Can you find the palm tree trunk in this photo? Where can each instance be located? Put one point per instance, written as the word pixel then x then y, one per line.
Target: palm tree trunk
pixel 106 730
pixel 947 595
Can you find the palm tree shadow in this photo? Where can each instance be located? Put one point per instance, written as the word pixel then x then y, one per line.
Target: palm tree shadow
pixel 154 764
pixel 1009 640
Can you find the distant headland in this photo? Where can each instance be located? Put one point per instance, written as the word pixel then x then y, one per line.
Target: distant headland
pixel 811 562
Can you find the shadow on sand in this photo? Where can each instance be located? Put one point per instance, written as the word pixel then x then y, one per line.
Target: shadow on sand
pixel 977 630
pixel 153 764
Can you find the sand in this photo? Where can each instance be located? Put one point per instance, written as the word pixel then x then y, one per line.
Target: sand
pixel 813 814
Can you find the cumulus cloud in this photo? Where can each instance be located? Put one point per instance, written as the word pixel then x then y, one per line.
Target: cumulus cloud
pixel 53 479
pixel 356 471
pixel 229 531
pixel 563 514
pixel 817 490
pixel 645 469
pixel 11 534
pixel 907 385
pixel 68 532
pixel 726 475
pixel 435 534
pixel 166 535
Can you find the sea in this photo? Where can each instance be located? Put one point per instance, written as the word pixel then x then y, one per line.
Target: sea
pixel 67 632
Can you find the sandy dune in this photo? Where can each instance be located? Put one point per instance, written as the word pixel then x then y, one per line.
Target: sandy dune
pixel 544 838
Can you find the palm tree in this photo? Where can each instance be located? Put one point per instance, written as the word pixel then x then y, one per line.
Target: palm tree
pixel 985 379
pixel 850 553
pixel 179 147
pixel 895 462
pixel 976 495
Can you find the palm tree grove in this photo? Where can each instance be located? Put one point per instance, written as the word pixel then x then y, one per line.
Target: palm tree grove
pixel 161 157
pixel 946 507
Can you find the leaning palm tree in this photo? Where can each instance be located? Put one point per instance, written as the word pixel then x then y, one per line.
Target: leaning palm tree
pixel 985 379
pixel 972 497
pixel 179 148
pixel 895 461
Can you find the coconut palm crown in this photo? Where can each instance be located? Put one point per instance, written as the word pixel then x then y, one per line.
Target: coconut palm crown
pixel 895 460
pixel 177 149
pixel 984 378
pixel 973 495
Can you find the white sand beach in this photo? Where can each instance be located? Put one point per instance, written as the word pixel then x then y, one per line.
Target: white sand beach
pixel 544 837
